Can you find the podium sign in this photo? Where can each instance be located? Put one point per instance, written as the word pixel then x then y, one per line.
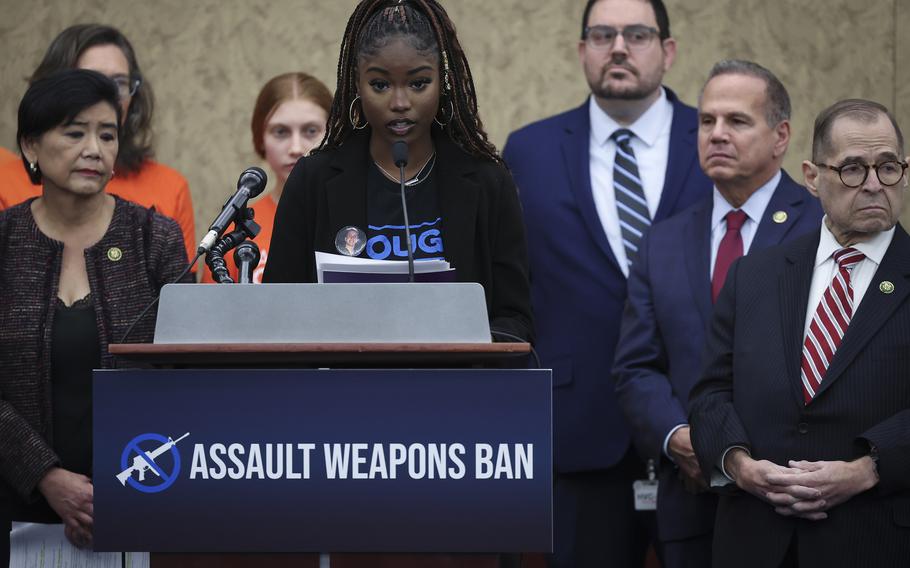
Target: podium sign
pixel 323 460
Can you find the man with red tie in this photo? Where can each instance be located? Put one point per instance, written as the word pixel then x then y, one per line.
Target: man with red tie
pixel 803 411
pixel 743 134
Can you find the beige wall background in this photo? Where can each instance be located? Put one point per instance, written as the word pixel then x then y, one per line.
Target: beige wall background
pixel 206 60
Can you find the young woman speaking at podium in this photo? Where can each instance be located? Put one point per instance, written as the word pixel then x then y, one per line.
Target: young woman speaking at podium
pixel 402 76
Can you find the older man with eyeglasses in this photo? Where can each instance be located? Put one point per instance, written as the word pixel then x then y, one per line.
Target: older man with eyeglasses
pixel 592 181
pixel 803 412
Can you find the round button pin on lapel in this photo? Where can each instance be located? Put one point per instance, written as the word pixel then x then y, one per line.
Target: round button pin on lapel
pixel 886 286
pixel 350 241
pixel 779 216
pixel 114 254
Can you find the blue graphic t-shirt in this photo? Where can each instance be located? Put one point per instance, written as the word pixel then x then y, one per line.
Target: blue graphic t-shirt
pixel 385 229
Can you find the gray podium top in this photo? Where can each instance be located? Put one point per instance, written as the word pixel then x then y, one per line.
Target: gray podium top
pixel 323 313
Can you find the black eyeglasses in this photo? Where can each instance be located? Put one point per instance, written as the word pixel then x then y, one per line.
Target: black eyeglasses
pixel 854 174
pixel 635 37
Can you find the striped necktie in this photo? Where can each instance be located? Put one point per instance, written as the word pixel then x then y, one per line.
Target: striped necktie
pixel 631 205
pixel 832 316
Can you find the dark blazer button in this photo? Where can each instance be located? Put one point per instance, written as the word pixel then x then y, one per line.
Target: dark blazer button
pixel 803 428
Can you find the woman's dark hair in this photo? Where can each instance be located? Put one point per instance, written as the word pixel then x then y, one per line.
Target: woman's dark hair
pixel 136 131
pixel 427 27
pixel 56 100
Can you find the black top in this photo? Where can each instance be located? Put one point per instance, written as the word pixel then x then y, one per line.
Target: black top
pixel 385 229
pixel 75 351
pixel 477 199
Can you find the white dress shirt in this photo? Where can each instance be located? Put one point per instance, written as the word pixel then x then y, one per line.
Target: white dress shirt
pixel 651 144
pixel 860 275
pixel 754 208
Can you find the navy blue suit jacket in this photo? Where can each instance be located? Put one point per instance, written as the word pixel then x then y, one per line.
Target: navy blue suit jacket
pixel 750 394
pixel 659 356
pixel 577 287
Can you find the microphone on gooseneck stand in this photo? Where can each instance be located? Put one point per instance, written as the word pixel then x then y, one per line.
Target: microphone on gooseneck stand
pixel 400 156
pixel 251 183
pixel 246 257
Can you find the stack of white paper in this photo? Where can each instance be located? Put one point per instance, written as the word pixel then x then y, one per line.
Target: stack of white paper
pixel 358 269
pixel 35 545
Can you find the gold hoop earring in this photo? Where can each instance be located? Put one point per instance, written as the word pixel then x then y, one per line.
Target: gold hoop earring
pixel 450 116
pixel 351 116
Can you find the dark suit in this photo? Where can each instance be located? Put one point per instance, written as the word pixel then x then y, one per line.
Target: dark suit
pixel 578 291
pixel 482 229
pixel 751 395
pixel 658 358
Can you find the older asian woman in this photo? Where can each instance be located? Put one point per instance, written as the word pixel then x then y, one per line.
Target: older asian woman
pixel 138 177
pixel 77 265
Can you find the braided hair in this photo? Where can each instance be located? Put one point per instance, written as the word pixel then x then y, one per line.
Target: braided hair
pixel 427 27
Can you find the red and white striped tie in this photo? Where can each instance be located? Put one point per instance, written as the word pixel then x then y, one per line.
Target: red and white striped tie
pixel 832 316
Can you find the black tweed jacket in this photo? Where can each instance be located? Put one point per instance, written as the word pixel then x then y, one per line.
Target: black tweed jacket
pixel 140 252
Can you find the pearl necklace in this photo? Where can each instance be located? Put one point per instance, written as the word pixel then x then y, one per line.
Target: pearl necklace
pixel 419 177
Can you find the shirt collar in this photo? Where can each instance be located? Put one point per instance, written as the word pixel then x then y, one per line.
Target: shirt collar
pixel 754 207
pixel 647 128
pixel 874 249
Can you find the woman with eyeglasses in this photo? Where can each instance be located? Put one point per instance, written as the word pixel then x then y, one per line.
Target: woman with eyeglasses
pixel 77 266
pixel 137 176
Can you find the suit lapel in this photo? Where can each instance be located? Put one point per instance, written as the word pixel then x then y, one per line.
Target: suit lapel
pixel 346 192
pixel 697 250
pixel 576 154
pixel 794 295
pixel 788 199
pixel 876 307
pixel 682 157
pixel 457 193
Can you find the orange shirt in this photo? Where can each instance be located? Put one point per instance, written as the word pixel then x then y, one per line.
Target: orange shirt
pixel 265 210
pixel 6 155
pixel 156 185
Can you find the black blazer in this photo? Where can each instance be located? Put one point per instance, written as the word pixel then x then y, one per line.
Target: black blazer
pixel 750 394
pixel 481 216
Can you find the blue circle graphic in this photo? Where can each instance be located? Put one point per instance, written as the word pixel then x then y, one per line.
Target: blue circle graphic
pixel 133 448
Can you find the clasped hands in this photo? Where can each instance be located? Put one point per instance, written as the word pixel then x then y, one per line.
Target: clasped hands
pixel 801 489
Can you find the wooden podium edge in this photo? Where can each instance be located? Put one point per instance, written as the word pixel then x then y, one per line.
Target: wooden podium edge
pixel 342 354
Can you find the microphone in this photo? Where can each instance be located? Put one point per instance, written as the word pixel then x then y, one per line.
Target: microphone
pixel 400 156
pixel 251 183
pixel 246 257
pixel 400 153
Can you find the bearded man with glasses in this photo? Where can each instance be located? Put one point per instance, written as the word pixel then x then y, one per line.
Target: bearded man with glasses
pixel 592 181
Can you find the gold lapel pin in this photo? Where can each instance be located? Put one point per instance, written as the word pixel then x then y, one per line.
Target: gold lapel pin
pixel 886 286
pixel 779 217
pixel 114 254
